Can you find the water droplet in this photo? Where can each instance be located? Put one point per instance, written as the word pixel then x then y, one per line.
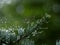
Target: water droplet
pixel 20 31
pixel 47 15
pixel 34 33
pixel 6 30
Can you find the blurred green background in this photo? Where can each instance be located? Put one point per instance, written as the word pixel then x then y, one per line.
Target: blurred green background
pixel 23 12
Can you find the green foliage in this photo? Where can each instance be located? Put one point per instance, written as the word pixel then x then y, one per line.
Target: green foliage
pixel 29 22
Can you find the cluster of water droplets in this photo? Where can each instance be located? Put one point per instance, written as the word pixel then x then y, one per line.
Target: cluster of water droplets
pixel 40 22
pixel 9 35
